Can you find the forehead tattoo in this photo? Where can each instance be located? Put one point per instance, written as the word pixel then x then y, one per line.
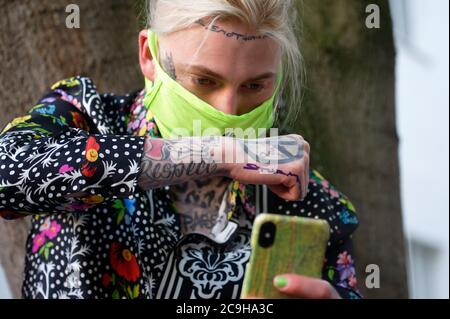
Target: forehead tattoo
pixel 230 34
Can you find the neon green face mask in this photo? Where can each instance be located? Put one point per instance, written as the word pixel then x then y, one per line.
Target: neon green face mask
pixel 178 112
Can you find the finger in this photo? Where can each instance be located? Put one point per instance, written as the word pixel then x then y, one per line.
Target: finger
pixel 307 147
pixel 305 287
pixel 278 190
pixel 284 192
pixel 294 187
pixel 302 179
pixel 306 177
pixel 289 189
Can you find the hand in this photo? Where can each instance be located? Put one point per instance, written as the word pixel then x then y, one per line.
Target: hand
pixel 281 163
pixel 303 287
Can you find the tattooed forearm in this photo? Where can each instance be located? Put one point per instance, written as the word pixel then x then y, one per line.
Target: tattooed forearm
pixel 155 175
pixel 228 34
pixel 169 66
pixel 170 162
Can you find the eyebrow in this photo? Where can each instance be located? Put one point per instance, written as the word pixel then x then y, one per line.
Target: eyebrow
pixel 211 73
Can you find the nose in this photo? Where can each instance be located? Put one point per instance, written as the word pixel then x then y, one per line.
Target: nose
pixel 227 101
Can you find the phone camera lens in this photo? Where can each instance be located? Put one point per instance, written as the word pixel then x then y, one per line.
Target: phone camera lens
pixel 267 234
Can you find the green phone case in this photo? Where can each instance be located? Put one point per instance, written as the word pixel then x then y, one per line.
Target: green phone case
pixel 299 246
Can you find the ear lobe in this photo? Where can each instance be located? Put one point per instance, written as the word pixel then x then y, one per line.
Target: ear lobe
pixel 145 57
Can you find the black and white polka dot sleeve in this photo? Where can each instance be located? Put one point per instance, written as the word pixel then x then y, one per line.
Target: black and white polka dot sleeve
pixel 66 154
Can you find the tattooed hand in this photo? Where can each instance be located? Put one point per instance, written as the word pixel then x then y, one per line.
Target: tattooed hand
pixel 281 162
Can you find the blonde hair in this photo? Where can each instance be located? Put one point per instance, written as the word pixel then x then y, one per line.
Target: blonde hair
pixel 275 18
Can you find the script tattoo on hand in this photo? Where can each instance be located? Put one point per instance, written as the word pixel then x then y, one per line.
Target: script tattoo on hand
pixel 263 170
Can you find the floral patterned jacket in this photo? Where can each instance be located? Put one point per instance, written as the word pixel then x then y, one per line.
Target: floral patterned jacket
pixel 72 164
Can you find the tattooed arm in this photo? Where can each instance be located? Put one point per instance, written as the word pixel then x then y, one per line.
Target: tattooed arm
pixel 282 162
pixel 170 162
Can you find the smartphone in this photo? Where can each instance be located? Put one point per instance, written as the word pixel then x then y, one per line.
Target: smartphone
pixel 283 244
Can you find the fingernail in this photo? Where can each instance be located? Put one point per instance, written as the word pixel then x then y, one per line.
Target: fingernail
pixel 280 282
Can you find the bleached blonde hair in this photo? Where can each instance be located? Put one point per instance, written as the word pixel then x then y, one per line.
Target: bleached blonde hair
pixel 275 18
